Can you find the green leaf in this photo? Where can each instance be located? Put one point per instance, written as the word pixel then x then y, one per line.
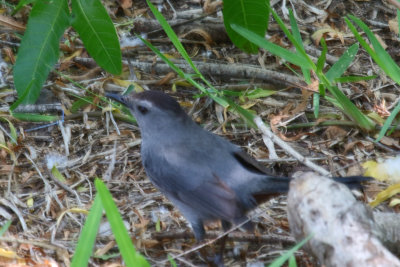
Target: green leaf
pixel 85 245
pixel 388 122
pixel 81 102
pixel 98 34
pixel 352 79
pixel 13 132
pixel 57 174
pixel 350 109
pixel 172 36
pixel 259 93
pixel 34 117
pixel 39 48
pixel 316 104
pixel 282 259
pixel 287 55
pixel 342 64
pixel 128 252
pixel 378 54
pixel 298 45
pixel 252 15
pixel 5 227
pixel 297 37
pixel 322 57
pixel 21 4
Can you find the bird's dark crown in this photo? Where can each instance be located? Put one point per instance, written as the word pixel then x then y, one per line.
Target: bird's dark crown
pixel 160 100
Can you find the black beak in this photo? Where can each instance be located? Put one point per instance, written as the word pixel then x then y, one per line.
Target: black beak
pixel 117 97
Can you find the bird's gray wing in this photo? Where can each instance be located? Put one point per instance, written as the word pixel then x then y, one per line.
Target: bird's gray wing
pixel 249 163
pixel 186 176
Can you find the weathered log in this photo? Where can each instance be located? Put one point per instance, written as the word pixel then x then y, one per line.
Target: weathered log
pixel 345 231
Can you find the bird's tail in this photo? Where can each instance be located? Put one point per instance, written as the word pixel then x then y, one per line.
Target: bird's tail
pixel 270 187
pixel 353 182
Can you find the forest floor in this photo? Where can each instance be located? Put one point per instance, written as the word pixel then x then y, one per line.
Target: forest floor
pixel 46 218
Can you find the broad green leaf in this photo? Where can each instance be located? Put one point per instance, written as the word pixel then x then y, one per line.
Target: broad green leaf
pixel 342 64
pixel 39 49
pixel 128 252
pixel 252 15
pixel 87 238
pixel 98 34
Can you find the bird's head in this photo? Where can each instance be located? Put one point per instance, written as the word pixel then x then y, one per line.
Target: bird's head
pixel 153 110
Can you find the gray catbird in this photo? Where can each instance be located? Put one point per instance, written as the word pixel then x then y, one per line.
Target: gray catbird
pixel 205 176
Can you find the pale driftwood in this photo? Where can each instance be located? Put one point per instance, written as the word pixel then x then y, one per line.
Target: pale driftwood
pixel 345 232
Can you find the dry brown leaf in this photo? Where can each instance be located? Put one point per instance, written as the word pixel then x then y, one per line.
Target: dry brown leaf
pixel 11 23
pixel 388 141
pixel 126 4
pixel 335 132
pixel 380 40
pixel 394 25
pixel 167 78
pixel 202 33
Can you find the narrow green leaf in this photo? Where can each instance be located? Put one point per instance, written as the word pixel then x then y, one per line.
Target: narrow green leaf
pixel 98 34
pixel 39 48
pixel 297 36
pixel 259 93
pixel 57 174
pixel 379 55
pixel 21 4
pixel 185 76
pixel 352 79
pixel 85 245
pixel 81 102
pixel 5 227
pixel 13 132
pixel 295 30
pixel 172 261
pixel 128 252
pixel 316 104
pixel 398 19
pixel 172 36
pixel 322 57
pixel 287 55
pixel 34 117
pixel 252 15
pixel 388 122
pixel 351 110
pixel 342 64
pixel 299 46
pixel 282 259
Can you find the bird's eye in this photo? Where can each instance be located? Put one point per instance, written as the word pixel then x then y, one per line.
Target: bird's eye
pixel 142 109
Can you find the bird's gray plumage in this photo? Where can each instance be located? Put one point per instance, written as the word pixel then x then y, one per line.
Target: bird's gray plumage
pixel 205 176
